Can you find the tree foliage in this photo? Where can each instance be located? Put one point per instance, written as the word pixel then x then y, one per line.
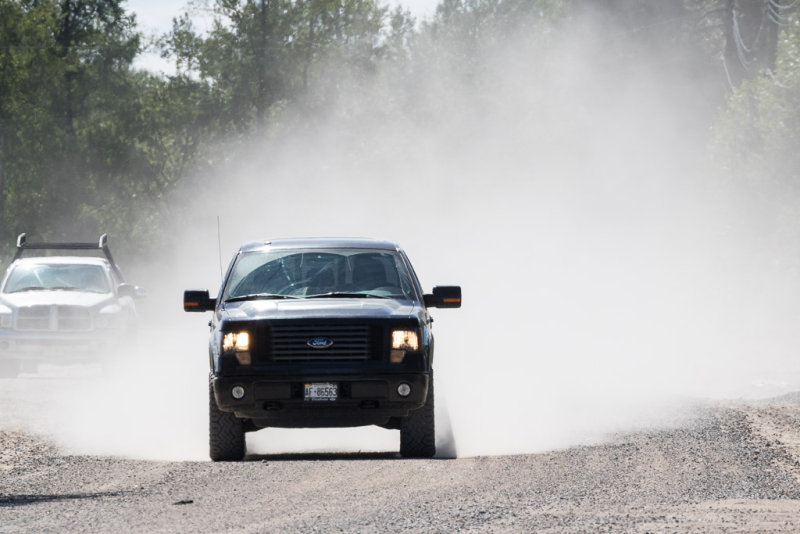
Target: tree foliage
pixel 758 131
pixel 262 54
pixel 90 144
pixel 66 108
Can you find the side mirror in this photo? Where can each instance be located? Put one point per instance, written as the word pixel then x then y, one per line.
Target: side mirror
pixel 195 300
pixel 130 290
pixel 444 297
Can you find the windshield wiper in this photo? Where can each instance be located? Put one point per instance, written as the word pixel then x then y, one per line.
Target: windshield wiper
pixel 259 296
pixel 343 294
pixel 29 288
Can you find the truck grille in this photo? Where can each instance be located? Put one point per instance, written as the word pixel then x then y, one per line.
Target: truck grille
pixel 59 318
pixel 350 342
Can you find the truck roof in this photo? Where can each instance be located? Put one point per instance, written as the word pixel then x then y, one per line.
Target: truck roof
pixel 64 260
pixel 101 245
pixel 320 242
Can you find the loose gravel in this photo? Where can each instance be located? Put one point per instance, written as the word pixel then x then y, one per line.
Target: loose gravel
pixel 735 468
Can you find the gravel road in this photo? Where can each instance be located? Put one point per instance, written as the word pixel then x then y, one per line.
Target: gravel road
pixel 733 468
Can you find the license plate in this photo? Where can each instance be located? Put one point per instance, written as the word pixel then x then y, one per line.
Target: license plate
pixel 321 391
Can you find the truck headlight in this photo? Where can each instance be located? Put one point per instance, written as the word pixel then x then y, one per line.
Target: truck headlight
pixel 402 341
pixel 6 317
pixel 405 340
pixel 238 342
pixel 109 317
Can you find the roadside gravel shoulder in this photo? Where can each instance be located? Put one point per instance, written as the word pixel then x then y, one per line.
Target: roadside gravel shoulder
pixel 732 469
pixel 776 423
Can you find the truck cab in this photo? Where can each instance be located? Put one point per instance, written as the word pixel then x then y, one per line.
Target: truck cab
pixel 321 333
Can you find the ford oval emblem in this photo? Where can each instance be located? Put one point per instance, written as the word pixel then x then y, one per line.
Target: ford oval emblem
pixel 319 342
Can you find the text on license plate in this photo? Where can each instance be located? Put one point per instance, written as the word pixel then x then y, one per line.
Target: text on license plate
pixel 321 391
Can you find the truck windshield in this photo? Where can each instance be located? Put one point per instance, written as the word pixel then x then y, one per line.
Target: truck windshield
pixel 44 277
pixel 320 273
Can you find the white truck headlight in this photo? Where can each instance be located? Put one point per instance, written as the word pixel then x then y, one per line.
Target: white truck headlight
pixel 402 341
pixel 405 340
pixel 6 317
pixel 236 341
pixel 109 317
pixel 240 343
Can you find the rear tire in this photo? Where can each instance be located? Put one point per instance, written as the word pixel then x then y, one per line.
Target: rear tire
pixel 226 442
pixel 418 430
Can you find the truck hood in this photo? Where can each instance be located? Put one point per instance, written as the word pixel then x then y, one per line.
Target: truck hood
pixel 58 298
pixel 321 308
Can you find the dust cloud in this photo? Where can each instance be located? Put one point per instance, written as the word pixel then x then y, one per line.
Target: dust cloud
pixel 611 281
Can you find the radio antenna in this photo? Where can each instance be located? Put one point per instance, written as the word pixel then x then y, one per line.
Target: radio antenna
pixel 219 247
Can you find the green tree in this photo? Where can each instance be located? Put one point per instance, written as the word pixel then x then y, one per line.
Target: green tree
pixel 65 77
pixel 755 146
pixel 26 61
pixel 758 132
pixel 262 54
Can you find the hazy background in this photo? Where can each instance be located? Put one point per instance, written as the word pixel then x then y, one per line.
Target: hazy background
pixel 613 278
pixel 155 17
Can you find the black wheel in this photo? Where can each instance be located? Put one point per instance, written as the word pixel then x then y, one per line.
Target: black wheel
pixel 418 431
pixel 225 433
pixel 9 368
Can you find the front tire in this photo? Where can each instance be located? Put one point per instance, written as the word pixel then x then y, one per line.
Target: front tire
pixel 418 430
pixel 226 442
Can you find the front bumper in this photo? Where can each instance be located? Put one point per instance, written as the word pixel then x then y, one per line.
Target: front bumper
pixel 61 347
pixel 362 400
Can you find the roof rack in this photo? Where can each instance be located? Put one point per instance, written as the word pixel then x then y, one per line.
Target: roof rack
pixel 101 244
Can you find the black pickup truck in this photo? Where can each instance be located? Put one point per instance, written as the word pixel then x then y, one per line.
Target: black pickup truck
pixel 321 333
